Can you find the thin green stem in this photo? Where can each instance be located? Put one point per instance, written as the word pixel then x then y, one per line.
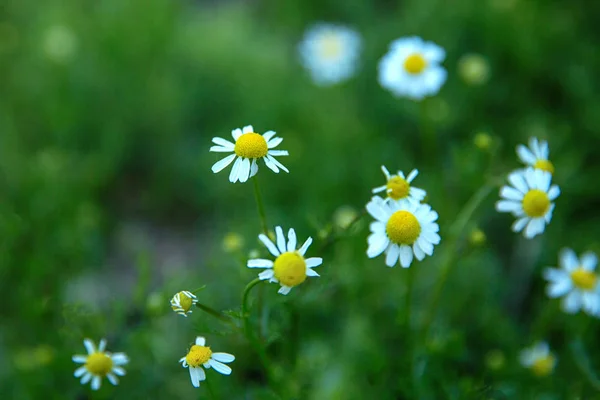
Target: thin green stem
pixel 211 393
pixel 331 239
pixel 260 206
pixel 456 231
pixel 217 314
pixel 245 312
pixel 582 361
pixel 408 325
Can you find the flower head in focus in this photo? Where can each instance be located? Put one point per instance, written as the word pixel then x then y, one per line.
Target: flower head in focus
pixel 330 53
pixel 538 359
pixel 576 282
pixel 289 268
pixel 183 302
pixel 536 155
pixel 98 364
pixel 249 147
pixel 411 68
pixel 399 187
pixel 200 356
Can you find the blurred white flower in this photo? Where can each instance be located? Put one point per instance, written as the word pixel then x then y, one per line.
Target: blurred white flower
pixel 398 186
pixel 201 356
pixel 538 358
pixel 474 69
pixel 290 268
pixel 576 282
pixel 183 302
pixel 249 147
pixel 530 199
pixel 536 155
pixel 402 229
pixel 98 364
pixel 330 53
pixel 59 43
pixel 411 68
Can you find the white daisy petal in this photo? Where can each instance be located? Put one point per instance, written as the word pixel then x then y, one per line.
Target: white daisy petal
pixel 80 371
pixel 268 244
pixel 554 192
pixel 277 153
pixel 79 359
pixel 313 262
pixel 222 164
pixel 519 224
pixel 507 206
pixel 559 288
pixel 119 359
pixel 234 174
pixel 223 357
pixel 589 261
pixel 277 163
pixel 102 345
pixel 305 246
pixel 268 135
pixel 284 290
pixel 572 302
pixel 200 341
pixel 379 189
pixel 89 346
pixel 274 142
pixel 266 274
pixel 86 378
pixel 419 254
pixel 280 239
pixel 96 383
pixel 195 376
pixel 244 172
pixel 568 259
pixel 377 246
pixel 113 379
pixel 525 155
pixel 413 174
pixel 511 194
pixel 120 371
pixel 311 272
pixel 253 168
pixel 248 129
pixel 292 240
pixel 236 133
pixel 393 253
pixel 220 149
pixel 518 181
pixel 406 256
pixel 260 263
pixel 220 367
pixel 223 143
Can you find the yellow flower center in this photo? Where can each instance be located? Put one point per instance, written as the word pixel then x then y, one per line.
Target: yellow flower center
pixel 415 64
pixel 198 355
pixel 251 145
pixel 403 228
pixel 330 46
pixel 99 364
pixel 397 188
pixel 583 279
pixel 184 301
pixel 544 165
pixel 543 366
pixel 290 269
pixel 536 203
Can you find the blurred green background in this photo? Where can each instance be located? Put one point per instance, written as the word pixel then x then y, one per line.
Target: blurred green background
pixel 108 205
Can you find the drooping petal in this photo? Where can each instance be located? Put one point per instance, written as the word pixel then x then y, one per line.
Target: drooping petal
pixel 244 172
pixel 284 290
pixel 393 253
pixel 223 357
pixel 220 367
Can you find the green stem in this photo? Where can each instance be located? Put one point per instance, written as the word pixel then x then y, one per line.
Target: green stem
pixel 580 356
pixel 455 233
pixel 211 393
pixel 245 312
pixel 217 314
pixel 408 326
pixel 261 207
pixel 331 239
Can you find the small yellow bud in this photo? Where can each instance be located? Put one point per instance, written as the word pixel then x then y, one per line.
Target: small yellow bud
pixel 233 242
pixel 483 141
pixel 474 69
pixel 477 237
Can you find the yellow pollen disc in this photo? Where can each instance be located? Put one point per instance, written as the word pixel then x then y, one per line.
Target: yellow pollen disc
pixel 99 364
pixel 536 203
pixel 543 366
pixel 198 355
pixel 585 280
pixel 290 269
pixel 544 165
pixel 403 228
pixel 397 188
pixel 251 145
pixel 330 46
pixel 185 301
pixel 415 64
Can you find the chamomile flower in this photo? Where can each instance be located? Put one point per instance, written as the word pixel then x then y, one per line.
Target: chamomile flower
pixel 536 155
pixel 249 147
pixel 183 302
pixel 99 364
pixel 530 199
pixel 411 68
pixel 289 268
pixel 539 359
pixel 200 356
pixel 576 282
pixel 330 53
pixel 398 186
pixel 402 229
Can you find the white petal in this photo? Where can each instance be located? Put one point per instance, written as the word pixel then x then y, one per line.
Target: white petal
pixel 568 260
pixel 591 302
pixel 270 246
pixel 260 263
pixel 268 135
pixel 544 150
pixel 119 358
pixel 102 345
pixel 274 142
pixel 425 246
pixel 379 189
pixel 507 206
pixel 220 149
pixel 553 193
pixel 253 168
pixel 79 359
pixel 200 341
pixel 572 303
pixel 220 367
pixel 195 376
pixel 248 129
pixel 555 274
pixel 391 258
pixel 277 163
pixel 518 181
pixel 89 346
pixel 589 261
pixel 120 371
pixel 418 194
pixel 266 274
pixel 292 240
pixel 510 193
pixel 80 371
pixel 270 164
pixel 534 227
pixel 234 174
pixel 419 254
pixel 278 153
pixel 222 164
pixel 311 272
pixel 244 172
pixel 223 143
pixel 313 262
pixel 305 246
pixel 377 245
pixel 377 227
pixel 376 210
pixel 236 133
pixel 223 357
pixel 525 155
pixel 519 224
pixel 406 256
pixel 284 290
pixel 559 288
pixel 113 379
pixel 96 382
pixel 413 174
pixel 280 239
pixel 86 378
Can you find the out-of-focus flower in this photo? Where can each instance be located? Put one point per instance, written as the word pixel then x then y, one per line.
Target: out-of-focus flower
pixel 183 302
pixel 32 358
pixel 290 268
pixel 495 360
pixel 402 229
pixel 60 43
pixel 530 199
pixel 99 364
pixel 233 242
pixel 483 140
pixel 474 69
pixel 477 237
pixel 411 68
pixel 344 216
pixel 249 147
pixel 576 282
pixel 398 186
pixel 201 356
pixel 536 155
pixel 330 53
pixel 538 359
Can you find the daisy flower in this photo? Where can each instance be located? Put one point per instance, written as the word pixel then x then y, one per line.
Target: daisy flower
pixel 398 186
pixel 201 356
pixel 290 268
pixel 98 364
pixel 249 147
pixel 330 53
pixel 538 359
pixel 576 282
pixel 411 68
pixel 402 229
pixel 183 302
pixel 530 199
pixel 536 155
